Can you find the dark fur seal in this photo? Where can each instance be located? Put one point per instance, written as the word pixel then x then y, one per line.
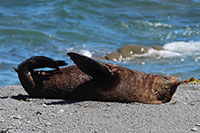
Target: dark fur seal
pixel 91 80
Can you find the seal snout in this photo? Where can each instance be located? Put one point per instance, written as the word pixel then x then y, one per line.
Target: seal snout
pixel 174 81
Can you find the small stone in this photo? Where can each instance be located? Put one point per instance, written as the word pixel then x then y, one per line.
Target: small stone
pixel 108 104
pixel 10 131
pixel 88 106
pixel 44 105
pixel 107 109
pixel 61 110
pixel 17 117
pixel 117 116
pixel 71 114
pixel 28 122
pixel 106 116
pixel 198 124
pixel 38 113
pixel 194 129
pixel 48 124
pixel 174 103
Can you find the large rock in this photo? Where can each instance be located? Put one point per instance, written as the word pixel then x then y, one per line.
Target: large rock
pixel 129 50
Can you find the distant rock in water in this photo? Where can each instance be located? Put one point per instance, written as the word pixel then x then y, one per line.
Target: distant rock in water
pixel 113 56
pixel 157 48
pixel 129 51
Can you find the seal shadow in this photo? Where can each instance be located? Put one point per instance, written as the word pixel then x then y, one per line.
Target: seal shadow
pixel 27 98
pixel 4 97
pixel 63 102
pixel 21 97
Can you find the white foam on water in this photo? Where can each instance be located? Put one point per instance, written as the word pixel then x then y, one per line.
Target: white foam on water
pixel 155 24
pixel 183 47
pixel 171 50
pixel 80 51
pixel 163 53
pixel 174 49
pixel 85 52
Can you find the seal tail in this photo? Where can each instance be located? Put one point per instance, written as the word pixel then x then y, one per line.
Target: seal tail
pixel 91 67
pixel 39 62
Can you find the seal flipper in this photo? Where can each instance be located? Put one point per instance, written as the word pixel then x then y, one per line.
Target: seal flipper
pixel 91 67
pixel 40 62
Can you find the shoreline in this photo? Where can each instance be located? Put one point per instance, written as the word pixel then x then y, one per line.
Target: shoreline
pixel 181 114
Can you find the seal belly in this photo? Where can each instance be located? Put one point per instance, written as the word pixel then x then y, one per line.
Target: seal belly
pixel 60 84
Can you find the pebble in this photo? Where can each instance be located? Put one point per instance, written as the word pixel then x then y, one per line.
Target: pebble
pixel 38 113
pixel 61 110
pixel 194 129
pixel 198 125
pixel 106 116
pixel 48 124
pixel 107 109
pixel 17 117
pixel 117 116
pixel 108 104
pixel 44 105
pixel 28 122
pixel 11 131
pixel 71 114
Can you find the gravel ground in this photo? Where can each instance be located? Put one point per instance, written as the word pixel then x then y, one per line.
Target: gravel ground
pixel 18 114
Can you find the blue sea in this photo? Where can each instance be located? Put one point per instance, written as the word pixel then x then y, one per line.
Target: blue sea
pixel 98 27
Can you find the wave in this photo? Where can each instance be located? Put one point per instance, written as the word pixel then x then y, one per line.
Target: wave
pixel 163 53
pixel 174 49
pixel 183 47
pixel 82 51
pixel 170 50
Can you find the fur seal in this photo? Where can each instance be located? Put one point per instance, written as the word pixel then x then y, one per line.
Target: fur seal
pixel 91 80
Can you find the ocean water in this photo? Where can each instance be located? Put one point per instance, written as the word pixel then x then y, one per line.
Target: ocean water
pixel 97 27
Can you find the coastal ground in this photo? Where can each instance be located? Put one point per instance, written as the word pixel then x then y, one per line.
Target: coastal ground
pixel 19 114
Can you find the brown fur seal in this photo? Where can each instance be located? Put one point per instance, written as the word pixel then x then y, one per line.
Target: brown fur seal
pixel 91 80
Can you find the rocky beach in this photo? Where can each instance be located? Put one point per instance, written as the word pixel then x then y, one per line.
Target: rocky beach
pixel 161 37
pixel 20 114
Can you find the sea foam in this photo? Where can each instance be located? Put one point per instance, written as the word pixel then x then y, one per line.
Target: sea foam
pixel 183 47
pixel 176 49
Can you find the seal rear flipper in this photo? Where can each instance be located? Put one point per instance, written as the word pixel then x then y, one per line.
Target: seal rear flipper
pixel 41 62
pixel 91 67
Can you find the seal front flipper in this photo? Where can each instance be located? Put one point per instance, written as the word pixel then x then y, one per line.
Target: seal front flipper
pixel 91 67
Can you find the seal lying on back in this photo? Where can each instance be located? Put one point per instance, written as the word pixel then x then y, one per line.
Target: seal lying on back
pixel 91 80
